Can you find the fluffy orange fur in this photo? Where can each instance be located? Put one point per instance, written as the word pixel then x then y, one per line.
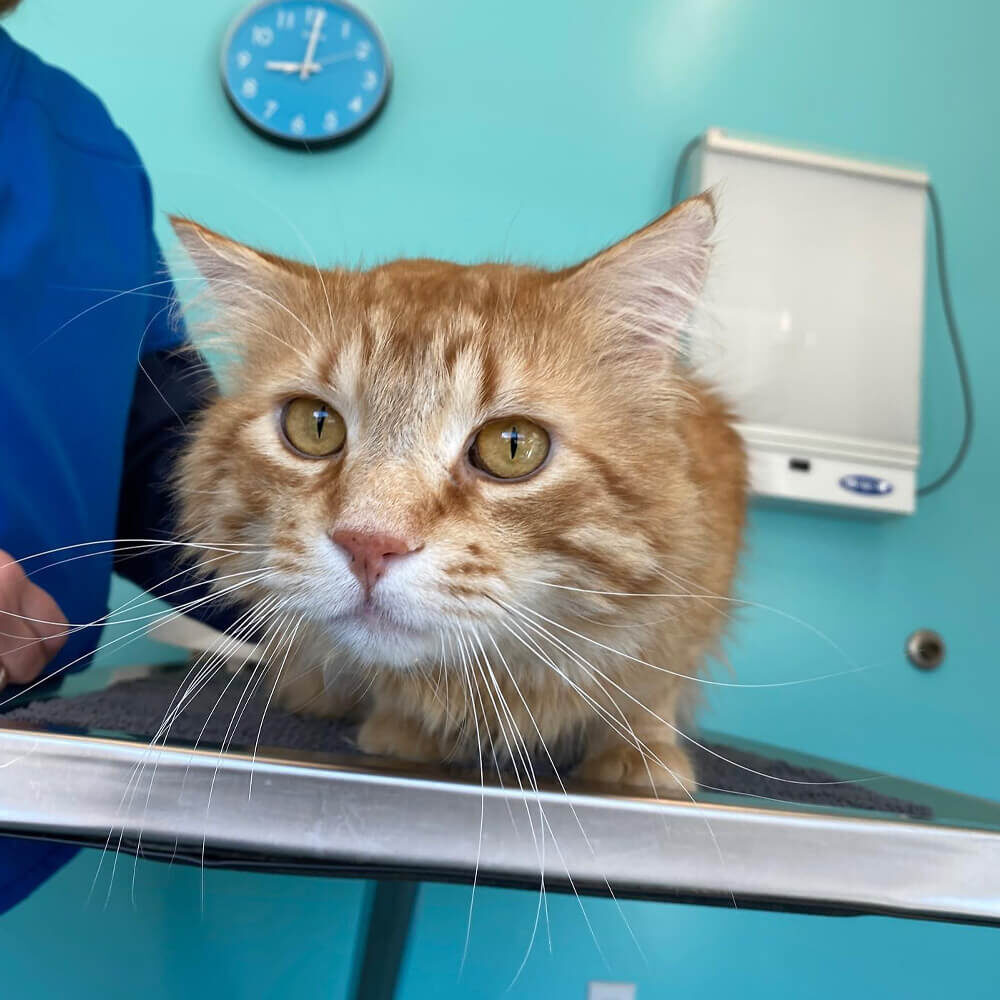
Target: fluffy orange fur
pixel 508 631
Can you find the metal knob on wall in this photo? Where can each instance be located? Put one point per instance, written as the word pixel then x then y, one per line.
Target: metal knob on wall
pixel 925 649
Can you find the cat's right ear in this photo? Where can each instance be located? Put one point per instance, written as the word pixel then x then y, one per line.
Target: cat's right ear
pixel 241 283
pixel 648 285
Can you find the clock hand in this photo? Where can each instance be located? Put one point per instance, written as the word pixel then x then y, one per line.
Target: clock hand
pixel 283 66
pixel 338 57
pixel 307 63
pixel 288 67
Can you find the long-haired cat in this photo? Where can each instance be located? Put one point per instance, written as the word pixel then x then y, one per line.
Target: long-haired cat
pixel 458 478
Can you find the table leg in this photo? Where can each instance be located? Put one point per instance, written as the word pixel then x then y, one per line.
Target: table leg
pixel 386 933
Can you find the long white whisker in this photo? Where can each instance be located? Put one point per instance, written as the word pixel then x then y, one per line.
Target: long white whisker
pixel 855 668
pixel 269 607
pixel 529 771
pixel 213 659
pixel 97 305
pixel 520 633
pixel 137 770
pixel 642 749
pixel 267 705
pixel 482 813
pixel 173 281
pixel 555 771
pixel 473 664
pixel 118 550
pixel 142 367
pixel 579 900
pixel 690 677
pixel 265 661
pixel 174 613
pixel 630 736
pixel 690 739
pixel 233 547
pixel 107 618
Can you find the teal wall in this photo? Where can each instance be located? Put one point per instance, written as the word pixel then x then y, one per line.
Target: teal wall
pixel 541 131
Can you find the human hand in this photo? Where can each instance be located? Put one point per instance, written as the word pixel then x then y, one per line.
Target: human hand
pixel 32 628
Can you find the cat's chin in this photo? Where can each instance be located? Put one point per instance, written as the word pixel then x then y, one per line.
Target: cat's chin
pixel 379 642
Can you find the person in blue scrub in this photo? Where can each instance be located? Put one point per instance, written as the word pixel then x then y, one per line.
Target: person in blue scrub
pixel 87 434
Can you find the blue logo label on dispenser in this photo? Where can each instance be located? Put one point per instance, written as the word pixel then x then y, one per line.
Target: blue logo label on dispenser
pixel 869 485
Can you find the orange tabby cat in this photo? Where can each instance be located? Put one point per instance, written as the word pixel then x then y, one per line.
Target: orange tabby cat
pixel 456 476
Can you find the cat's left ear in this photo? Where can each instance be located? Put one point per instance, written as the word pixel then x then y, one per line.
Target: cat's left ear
pixel 650 282
pixel 241 282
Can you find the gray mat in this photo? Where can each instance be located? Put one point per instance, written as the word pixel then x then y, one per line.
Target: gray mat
pixel 138 707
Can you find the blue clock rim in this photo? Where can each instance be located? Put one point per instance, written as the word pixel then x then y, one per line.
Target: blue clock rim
pixel 281 138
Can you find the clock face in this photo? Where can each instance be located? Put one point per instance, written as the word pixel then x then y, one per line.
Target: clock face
pixel 305 74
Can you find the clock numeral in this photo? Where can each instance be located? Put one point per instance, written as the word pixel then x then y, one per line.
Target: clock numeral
pixel 270 108
pixel 370 80
pixel 243 59
pixel 298 125
pixel 286 18
pixel 330 121
pixel 311 13
pixel 354 104
pixel 249 87
pixel 261 35
pixel 345 29
pixel 363 50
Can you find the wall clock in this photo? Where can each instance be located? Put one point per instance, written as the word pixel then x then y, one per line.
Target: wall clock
pixel 305 74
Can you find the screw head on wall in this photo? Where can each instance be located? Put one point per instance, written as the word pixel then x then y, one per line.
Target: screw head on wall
pixel 925 649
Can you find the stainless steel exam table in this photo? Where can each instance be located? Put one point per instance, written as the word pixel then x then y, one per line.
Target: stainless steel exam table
pixel 318 807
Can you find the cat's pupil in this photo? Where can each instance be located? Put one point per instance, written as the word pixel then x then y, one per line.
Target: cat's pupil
pixel 512 437
pixel 320 416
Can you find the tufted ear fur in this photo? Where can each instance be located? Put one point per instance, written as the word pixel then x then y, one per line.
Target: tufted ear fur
pixel 649 282
pixel 228 266
pixel 246 290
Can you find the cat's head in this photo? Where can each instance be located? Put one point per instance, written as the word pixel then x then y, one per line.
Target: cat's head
pixel 422 447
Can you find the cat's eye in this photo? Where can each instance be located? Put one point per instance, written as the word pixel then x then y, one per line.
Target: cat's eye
pixel 313 428
pixel 511 448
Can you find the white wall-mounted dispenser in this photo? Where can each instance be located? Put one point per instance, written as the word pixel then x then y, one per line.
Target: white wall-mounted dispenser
pixel 816 306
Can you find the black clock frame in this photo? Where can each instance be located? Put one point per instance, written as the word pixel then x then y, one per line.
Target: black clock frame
pixel 307 145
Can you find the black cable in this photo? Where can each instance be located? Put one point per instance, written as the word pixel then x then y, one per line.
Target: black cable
pixel 949 314
pixel 956 343
pixel 681 168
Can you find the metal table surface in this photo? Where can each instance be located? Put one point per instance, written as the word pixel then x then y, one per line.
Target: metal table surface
pixel 325 814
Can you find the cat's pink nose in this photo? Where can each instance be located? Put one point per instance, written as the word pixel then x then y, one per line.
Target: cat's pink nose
pixel 370 553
